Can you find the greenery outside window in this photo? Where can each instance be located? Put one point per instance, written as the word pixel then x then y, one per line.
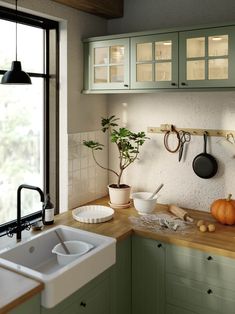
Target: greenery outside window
pixel 28 116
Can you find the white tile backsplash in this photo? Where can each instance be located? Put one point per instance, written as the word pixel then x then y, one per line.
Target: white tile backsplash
pixel 86 181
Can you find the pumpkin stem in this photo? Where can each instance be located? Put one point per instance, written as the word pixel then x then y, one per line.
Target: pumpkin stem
pixel 229 197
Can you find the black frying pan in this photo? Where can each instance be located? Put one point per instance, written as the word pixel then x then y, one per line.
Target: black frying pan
pixel 205 165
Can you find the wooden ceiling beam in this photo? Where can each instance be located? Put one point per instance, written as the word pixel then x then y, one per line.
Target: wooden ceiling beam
pixel 105 8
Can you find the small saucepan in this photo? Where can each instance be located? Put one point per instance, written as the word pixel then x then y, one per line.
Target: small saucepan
pixel 205 165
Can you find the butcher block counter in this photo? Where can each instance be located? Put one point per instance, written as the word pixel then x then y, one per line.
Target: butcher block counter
pixel 16 288
pixel 221 242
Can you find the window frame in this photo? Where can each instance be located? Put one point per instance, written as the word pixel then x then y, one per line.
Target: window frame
pixel 47 25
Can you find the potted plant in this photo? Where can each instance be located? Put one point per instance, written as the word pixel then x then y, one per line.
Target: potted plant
pixel 128 144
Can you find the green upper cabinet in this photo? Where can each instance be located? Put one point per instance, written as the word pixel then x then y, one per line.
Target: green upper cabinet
pixel 154 61
pixel 108 64
pixel 207 58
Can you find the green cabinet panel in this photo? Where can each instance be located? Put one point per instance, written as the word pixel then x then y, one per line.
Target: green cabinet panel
pixel 122 278
pixel 107 64
pixel 171 309
pixel 28 307
pixel 154 61
pixel 198 296
pixel 207 58
pixel 148 278
pixel 201 266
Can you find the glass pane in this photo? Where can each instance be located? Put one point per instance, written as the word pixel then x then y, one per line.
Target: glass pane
pixel 117 73
pixel 144 52
pixel 21 146
pixel 196 47
pixel 101 74
pixel 144 72
pixel 30 43
pixel 101 55
pixel 218 69
pixel 163 71
pixel 117 54
pixel 218 45
pixel 196 70
pixel 163 50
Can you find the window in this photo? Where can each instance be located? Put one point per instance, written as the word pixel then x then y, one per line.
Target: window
pixel 28 116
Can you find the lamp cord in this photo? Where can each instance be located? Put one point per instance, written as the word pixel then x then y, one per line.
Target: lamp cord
pixel 16 16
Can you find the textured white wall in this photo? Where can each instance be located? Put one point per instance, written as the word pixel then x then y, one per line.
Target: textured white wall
pixel 156 165
pixel 184 109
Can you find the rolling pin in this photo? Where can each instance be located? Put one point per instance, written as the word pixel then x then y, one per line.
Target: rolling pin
pixel 179 212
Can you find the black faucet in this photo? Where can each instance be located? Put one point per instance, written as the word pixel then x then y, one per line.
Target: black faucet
pixel 19 227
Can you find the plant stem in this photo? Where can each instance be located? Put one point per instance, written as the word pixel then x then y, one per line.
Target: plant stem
pixel 98 164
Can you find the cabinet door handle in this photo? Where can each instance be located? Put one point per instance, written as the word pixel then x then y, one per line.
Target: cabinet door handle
pixel 159 245
pixel 183 84
pixel 126 85
pixel 209 291
pixel 209 258
pixel 83 304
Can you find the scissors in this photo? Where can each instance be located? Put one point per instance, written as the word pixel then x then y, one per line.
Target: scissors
pixel 185 137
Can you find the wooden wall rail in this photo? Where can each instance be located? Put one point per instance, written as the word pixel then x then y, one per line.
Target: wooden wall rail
pixel 167 127
pixel 104 8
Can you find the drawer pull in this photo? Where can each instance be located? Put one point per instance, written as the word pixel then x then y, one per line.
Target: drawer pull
pixel 209 291
pixel 209 258
pixel 159 245
pixel 83 304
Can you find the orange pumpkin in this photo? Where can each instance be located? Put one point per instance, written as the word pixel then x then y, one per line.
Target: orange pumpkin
pixel 223 210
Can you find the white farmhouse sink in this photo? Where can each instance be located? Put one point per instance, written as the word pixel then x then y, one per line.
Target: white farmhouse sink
pixel 35 259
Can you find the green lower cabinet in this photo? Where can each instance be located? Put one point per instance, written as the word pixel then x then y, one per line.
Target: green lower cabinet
pixel 199 297
pixel 148 276
pixel 28 307
pixel 171 309
pixel 122 279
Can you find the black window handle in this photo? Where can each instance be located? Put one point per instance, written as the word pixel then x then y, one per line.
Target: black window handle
pixel 209 258
pixel 126 85
pixel 83 304
pixel 183 84
pixel 209 291
pixel 159 245
pixel 173 84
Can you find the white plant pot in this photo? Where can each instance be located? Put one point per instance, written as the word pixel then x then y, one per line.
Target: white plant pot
pixel 119 196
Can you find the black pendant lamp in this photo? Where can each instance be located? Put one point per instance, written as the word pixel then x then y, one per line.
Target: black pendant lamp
pixel 16 75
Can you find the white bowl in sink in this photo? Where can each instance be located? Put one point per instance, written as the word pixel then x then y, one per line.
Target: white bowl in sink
pixel 76 249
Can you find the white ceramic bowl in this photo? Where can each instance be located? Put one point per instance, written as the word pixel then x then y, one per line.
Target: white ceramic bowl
pixel 142 204
pixel 76 249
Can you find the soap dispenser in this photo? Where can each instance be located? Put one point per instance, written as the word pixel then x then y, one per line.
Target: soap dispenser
pixel 48 211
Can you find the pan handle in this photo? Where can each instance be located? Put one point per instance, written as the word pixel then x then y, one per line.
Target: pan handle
pixel 205 135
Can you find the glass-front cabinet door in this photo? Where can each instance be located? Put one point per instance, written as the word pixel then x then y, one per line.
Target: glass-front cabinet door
pixel 154 61
pixel 109 64
pixel 207 58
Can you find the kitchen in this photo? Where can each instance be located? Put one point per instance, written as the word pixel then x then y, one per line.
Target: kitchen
pixel 204 109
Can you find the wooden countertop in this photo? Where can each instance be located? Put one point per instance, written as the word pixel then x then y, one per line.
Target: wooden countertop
pixel 221 242
pixel 16 289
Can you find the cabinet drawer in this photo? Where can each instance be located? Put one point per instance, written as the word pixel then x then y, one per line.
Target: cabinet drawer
pixel 195 264
pixel 198 296
pixel 171 309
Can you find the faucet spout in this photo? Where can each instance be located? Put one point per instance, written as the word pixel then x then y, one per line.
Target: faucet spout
pixel 28 187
